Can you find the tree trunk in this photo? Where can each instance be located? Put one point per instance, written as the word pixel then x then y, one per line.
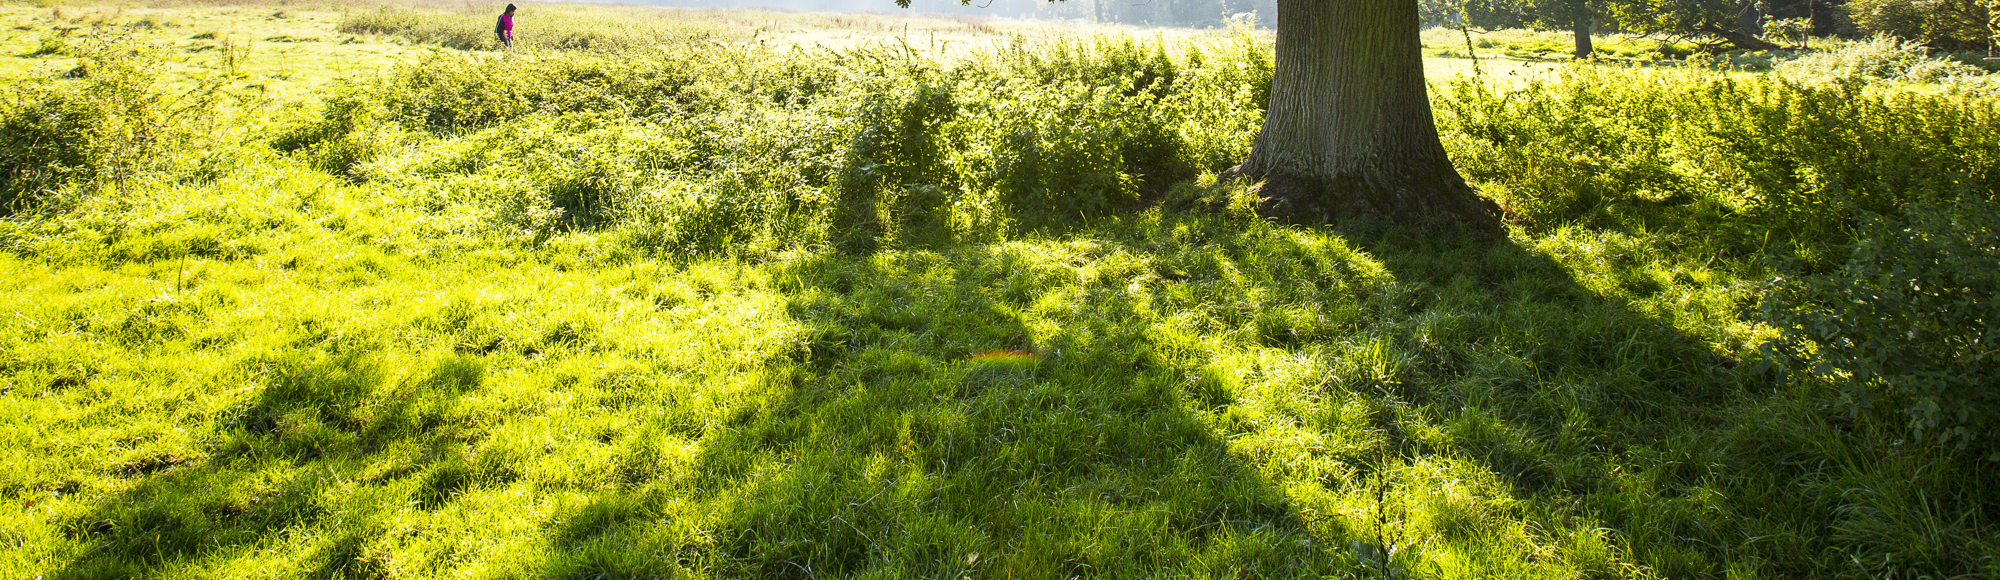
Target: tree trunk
pixel 1349 131
pixel 1748 18
pixel 1738 39
pixel 1582 29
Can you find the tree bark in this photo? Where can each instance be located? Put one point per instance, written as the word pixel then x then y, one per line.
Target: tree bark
pixel 1582 30
pixel 1349 131
pixel 1738 39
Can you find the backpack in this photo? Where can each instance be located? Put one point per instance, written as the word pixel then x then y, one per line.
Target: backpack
pixel 500 26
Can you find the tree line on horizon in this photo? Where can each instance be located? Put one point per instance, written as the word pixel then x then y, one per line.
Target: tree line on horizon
pixel 1735 24
pixel 1715 24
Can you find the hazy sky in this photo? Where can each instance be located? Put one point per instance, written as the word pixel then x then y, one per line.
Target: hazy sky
pixel 1139 12
pixel 1013 8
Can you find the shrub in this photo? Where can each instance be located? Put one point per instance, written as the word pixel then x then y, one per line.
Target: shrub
pixel 1879 58
pixel 448 94
pixel 51 45
pixel 1077 127
pixel 1907 330
pixel 889 183
pixel 1764 164
pixel 543 173
pixel 856 148
pixel 1051 154
pixel 46 132
pixel 106 122
pixel 350 129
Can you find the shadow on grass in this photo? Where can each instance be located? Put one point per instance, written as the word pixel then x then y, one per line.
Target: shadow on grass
pixel 893 450
pixel 321 421
pixel 885 445
pixel 1644 439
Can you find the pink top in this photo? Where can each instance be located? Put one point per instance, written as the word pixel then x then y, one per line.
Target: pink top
pixel 507 24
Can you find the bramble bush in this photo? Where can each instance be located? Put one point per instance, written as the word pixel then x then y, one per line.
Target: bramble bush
pixel 1878 58
pixel 1908 328
pixel 1764 164
pixel 769 149
pixel 1873 205
pixel 105 123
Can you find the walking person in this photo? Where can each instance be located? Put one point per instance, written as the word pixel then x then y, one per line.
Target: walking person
pixel 505 28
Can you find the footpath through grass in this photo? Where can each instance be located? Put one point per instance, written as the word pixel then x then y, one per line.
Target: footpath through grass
pixel 692 307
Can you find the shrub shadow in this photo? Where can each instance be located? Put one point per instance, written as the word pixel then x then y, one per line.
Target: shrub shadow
pixel 320 419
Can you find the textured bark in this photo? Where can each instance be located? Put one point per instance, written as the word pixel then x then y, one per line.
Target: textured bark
pixel 1349 130
pixel 1582 30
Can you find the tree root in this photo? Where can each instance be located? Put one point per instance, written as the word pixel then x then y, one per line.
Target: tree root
pixel 1428 199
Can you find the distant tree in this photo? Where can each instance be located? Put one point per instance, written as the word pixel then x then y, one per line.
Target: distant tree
pixel 1947 24
pixel 1730 21
pixel 1349 129
pixel 1578 17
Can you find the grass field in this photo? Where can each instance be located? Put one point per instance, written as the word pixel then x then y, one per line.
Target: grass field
pixel 304 46
pixel 295 292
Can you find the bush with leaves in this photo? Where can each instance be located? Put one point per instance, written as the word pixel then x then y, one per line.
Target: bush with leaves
pixel 107 122
pixel 349 129
pixel 760 149
pixel 1879 58
pixel 1908 330
pixel 1754 165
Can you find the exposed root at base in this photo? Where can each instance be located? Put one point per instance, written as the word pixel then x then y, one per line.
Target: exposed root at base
pixel 1431 201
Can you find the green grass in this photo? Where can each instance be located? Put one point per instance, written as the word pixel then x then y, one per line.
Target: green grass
pixel 1545 45
pixel 869 310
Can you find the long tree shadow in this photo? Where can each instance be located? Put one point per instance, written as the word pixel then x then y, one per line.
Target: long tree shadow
pixel 1075 406
pixel 896 449
pixel 892 447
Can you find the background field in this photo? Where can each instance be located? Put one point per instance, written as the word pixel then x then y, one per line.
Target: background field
pixel 340 292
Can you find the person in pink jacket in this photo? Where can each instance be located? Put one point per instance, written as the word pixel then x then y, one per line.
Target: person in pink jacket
pixel 505 28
